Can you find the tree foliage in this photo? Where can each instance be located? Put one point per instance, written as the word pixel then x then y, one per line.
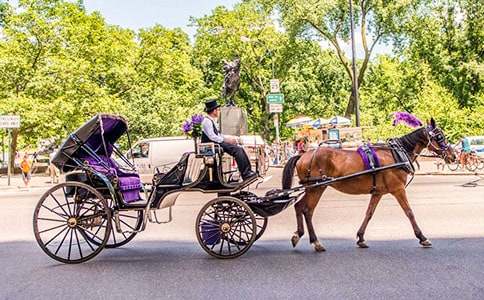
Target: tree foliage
pixel 60 65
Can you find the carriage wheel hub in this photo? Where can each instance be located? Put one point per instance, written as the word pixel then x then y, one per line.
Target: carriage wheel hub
pixel 225 227
pixel 72 222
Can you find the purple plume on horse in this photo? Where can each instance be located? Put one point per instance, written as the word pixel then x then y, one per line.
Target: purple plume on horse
pixel 406 118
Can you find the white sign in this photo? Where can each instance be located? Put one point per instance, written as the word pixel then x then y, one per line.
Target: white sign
pixel 275 86
pixel 9 121
pixel 275 108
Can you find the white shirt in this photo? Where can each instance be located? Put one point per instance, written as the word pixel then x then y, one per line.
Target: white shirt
pixel 207 128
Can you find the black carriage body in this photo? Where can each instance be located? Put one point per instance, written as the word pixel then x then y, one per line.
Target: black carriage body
pixel 86 156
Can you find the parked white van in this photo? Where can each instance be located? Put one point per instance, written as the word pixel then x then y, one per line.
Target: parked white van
pixel 162 153
pixel 165 152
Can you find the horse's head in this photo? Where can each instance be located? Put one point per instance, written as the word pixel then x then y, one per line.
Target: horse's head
pixel 438 143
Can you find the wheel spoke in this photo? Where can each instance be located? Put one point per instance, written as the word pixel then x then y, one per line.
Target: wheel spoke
pixel 83 234
pixel 70 247
pixel 78 244
pixel 67 201
pixel 92 234
pixel 55 236
pixel 62 242
pixel 58 226
pixel 127 224
pixel 54 212
pixel 53 220
pixel 56 201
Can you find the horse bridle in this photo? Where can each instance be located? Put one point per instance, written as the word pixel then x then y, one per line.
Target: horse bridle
pixel 436 135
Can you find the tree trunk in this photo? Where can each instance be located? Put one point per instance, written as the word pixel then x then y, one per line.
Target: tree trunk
pixel 350 108
pixel 11 154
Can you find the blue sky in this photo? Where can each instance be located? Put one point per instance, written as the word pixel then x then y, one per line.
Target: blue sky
pixel 137 14
pixel 172 13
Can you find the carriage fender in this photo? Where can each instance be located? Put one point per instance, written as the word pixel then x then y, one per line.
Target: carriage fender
pixel 108 184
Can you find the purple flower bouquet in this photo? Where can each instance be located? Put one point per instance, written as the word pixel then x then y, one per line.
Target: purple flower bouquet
pixel 193 126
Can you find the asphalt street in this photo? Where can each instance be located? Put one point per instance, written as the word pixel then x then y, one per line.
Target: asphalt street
pixel 166 262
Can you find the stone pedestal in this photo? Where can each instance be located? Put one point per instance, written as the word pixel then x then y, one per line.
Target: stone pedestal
pixel 233 121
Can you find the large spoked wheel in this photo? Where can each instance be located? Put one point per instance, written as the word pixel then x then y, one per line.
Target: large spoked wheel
pixel 226 227
pixel 130 222
pixel 68 217
pixel 261 226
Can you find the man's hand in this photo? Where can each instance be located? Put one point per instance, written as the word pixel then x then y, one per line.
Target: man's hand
pixel 231 139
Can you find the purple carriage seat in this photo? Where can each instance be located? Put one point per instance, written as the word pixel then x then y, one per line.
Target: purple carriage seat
pixel 129 183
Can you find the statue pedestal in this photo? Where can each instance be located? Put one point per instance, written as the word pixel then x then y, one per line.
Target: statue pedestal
pixel 233 121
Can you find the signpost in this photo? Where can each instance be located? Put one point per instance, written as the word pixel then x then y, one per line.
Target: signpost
pixel 275 98
pixel 9 122
pixel 275 101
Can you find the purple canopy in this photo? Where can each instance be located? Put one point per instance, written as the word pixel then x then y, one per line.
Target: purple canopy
pixel 99 134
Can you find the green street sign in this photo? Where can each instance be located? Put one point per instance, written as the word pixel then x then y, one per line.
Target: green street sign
pixel 275 98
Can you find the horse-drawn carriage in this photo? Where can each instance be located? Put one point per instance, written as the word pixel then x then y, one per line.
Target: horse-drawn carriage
pixel 103 203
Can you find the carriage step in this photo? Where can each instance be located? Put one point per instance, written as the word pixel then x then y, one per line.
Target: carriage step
pixel 153 218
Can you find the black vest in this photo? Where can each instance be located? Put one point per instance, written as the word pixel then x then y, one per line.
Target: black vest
pixel 205 138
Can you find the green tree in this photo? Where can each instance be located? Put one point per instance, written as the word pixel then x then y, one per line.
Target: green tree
pixel 377 20
pixel 309 80
pixel 448 36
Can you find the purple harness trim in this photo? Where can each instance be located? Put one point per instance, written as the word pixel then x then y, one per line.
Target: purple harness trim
pixel 370 162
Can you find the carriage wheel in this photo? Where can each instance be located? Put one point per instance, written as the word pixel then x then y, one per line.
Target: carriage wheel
pixel 130 221
pixel 261 225
pixel 226 227
pixel 66 220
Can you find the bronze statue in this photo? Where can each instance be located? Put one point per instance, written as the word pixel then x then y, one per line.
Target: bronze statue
pixel 231 80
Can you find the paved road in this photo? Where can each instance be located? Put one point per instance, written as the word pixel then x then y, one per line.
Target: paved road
pixel 166 261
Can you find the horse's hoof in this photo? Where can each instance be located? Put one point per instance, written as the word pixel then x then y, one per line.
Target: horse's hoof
pixel 294 240
pixel 362 244
pixel 426 244
pixel 318 247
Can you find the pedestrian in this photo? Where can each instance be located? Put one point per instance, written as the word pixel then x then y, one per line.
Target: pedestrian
pixel 466 150
pixel 53 170
pixel 25 166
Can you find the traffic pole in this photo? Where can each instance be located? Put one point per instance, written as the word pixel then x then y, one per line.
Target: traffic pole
pixel 276 124
pixel 355 78
pixel 9 168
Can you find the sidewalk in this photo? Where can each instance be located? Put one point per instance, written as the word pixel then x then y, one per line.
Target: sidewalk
pixel 17 184
pixel 428 167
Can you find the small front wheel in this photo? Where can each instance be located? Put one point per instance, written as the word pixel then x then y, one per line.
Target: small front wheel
pixel 68 218
pixel 226 227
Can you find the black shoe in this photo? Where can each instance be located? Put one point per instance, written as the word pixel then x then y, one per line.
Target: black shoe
pixel 249 175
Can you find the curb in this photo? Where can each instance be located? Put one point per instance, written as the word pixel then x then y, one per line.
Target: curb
pixel 449 174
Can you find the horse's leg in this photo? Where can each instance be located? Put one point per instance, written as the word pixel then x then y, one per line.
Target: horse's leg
pixel 312 199
pixel 401 197
pixel 375 198
pixel 299 207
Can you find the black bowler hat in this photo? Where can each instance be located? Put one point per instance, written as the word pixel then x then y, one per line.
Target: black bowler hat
pixel 211 105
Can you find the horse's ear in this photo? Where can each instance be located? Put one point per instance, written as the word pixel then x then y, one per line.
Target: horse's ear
pixel 432 123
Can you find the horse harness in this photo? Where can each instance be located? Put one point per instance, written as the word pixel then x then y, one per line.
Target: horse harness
pixel 371 161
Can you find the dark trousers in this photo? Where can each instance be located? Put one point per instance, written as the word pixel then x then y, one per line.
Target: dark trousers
pixel 240 156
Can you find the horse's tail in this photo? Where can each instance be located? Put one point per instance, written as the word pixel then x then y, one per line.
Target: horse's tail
pixel 288 171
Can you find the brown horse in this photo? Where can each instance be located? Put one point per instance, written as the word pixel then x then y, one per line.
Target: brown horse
pixel 331 162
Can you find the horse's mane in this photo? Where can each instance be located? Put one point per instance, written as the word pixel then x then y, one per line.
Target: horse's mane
pixel 410 140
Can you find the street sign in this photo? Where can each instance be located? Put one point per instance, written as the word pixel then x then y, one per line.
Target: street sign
pixel 275 98
pixel 275 108
pixel 275 86
pixel 9 121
